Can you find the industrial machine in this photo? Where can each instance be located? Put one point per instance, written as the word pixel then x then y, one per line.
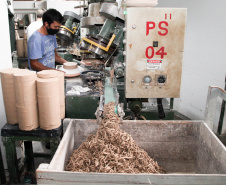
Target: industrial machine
pixel 69 35
pixel 135 60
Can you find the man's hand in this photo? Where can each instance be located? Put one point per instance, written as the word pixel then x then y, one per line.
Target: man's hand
pixel 59 59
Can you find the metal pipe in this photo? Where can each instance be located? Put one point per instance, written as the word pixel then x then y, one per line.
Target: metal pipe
pixel 160 109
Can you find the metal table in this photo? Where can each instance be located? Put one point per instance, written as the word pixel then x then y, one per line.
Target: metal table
pixel 2 170
pixel 12 133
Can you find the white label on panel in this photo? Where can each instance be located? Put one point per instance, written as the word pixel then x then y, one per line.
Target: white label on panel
pixel 154 64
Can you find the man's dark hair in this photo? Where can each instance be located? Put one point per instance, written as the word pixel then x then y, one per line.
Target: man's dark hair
pixel 52 15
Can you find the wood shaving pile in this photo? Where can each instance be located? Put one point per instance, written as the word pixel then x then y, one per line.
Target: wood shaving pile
pixel 111 150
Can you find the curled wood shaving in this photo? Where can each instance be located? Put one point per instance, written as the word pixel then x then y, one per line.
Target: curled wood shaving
pixel 111 150
pixel 99 87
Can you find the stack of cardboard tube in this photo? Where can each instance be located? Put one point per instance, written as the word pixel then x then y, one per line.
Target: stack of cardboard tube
pixel 26 99
pixel 50 88
pixel 9 96
pixel 32 101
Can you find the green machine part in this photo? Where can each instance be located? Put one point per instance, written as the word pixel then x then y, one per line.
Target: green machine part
pixel 69 23
pixel 110 90
pixel 118 61
pixel 107 29
pixel 118 64
pixel 70 19
pixel 109 93
pixel 81 106
pixel 85 105
pixel 113 27
pixel 118 31
pixel 93 31
pixel 67 56
pixel 70 28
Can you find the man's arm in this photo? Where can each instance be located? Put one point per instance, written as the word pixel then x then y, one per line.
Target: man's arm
pixel 59 59
pixel 36 65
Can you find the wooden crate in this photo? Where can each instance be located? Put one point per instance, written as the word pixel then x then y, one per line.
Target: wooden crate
pixel 188 150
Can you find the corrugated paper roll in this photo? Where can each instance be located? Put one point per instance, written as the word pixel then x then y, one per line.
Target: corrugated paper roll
pixel 70 65
pixel 52 74
pixel 62 95
pixel 26 99
pixel 25 35
pixel 20 47
pixel 49 103
pixel 9 95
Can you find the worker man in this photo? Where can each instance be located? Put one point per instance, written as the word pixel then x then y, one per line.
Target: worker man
pixel 36 24
pixel 42 44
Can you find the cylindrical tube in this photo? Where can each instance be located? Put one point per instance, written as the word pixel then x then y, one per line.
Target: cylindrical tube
pixel 62 94
pixel 26 99
pixel 20 47
pixel 45 74
pixel 49 103
pixel 94 9
pixel 9 96
pixel 70 65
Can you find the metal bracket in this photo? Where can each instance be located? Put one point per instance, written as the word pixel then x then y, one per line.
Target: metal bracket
pixel 98 45
pixel 73 32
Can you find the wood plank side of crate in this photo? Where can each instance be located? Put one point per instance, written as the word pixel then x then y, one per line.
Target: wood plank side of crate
pixel 211 153
pixel 72 178
pixel 64 150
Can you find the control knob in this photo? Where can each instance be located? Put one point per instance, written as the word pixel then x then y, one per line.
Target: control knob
pixel 147 79
pixel 161 79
